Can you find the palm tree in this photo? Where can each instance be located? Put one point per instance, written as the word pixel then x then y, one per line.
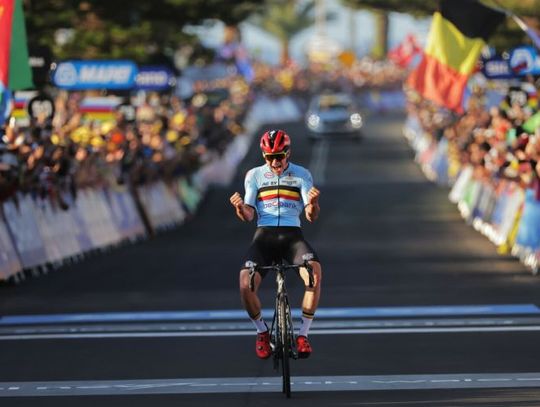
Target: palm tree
pixel 284 19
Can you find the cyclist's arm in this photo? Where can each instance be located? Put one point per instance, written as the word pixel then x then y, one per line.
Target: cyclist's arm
pixel 245 209
pixel 312 208
pixel 245 212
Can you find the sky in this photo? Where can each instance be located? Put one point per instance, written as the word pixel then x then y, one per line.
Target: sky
pixel 263 46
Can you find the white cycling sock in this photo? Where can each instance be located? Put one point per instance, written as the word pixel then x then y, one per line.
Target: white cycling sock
pixel 306 324
pixel 260 324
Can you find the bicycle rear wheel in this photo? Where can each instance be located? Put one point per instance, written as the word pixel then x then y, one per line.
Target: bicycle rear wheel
pixel 283 325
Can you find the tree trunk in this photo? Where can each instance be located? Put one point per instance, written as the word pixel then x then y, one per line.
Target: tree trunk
pixel 284 52
pixel 380 48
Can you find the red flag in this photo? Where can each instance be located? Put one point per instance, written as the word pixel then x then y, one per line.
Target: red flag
pixel 6 20
pixel 405 52
pixel 458 33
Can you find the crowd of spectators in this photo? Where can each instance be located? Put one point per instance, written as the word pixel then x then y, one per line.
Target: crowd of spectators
pixel 157 136
pixel 361 75
pixel 501 142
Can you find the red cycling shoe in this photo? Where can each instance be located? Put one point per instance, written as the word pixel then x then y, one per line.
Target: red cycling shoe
pixel 303 347
pixel 262 345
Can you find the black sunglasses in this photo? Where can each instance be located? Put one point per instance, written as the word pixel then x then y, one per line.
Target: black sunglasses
pixel 275 156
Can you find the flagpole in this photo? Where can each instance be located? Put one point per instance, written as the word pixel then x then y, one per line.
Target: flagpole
pixel 521 24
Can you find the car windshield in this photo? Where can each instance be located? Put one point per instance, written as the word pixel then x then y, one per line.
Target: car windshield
pixel 337 106
pixel 333 103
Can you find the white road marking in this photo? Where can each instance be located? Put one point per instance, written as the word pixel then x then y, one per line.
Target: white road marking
pixel 317 165
pixel 197 334
pixel 319 324
pixel 269 384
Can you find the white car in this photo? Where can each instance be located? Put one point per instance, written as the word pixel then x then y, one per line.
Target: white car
pixel 333 115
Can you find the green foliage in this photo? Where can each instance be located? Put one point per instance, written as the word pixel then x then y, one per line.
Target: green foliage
pixel 112 29
pixel 507 35
pixel 419 8
pixel 284 19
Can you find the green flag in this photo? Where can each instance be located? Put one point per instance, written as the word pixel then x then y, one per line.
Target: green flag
pixel 20 73
pixel 533 122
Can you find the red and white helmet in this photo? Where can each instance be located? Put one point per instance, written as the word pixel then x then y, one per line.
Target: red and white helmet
pixel 275 141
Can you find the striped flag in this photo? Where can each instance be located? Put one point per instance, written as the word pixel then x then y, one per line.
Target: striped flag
pixel 457 35
pixel 15 71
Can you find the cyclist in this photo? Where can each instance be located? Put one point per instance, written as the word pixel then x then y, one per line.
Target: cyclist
pixel 278 192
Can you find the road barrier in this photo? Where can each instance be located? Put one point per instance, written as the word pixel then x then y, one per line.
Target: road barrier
pixel 36 236
pixel 504 212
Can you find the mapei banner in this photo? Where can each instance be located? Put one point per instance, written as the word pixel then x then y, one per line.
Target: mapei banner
pixel 155 77
pixel 95 74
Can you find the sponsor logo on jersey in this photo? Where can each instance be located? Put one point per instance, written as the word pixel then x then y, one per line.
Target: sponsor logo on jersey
pixel 282 204
pixel 269 175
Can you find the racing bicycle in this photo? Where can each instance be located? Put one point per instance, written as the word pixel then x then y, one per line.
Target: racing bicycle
pixel 282 339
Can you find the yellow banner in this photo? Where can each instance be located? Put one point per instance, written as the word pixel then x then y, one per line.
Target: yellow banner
pixel 448 45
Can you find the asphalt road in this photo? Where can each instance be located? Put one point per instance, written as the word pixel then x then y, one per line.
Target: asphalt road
pixel 417 307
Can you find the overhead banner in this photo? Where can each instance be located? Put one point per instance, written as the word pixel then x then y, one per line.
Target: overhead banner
pixel 80 75
pixel 155 78
pixel 496 68
pixel 524 61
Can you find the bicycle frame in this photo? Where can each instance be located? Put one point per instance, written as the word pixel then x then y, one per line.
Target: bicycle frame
pixel 282 329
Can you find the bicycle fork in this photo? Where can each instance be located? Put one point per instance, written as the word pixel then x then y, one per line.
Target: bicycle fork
pixel 277 336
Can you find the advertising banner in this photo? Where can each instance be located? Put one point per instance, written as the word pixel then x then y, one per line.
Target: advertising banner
pixel 25 232
pixel 496 68
pixel 155 78
pixel 80 229
pixel 9 260
pixel 524 61
pixel 95 74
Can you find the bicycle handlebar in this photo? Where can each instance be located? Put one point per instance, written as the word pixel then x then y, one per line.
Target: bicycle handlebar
pixel 254 268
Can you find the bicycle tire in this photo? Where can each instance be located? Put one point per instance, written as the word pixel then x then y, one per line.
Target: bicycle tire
pixel 285 339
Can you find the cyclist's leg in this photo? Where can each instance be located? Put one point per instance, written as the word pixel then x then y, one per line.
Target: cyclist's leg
pixel 252 304
pixel 258 254
pixel 311 294
pixel 250 299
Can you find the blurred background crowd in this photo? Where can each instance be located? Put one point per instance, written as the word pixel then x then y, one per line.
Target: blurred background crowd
pixel 156 135
pixel 501 141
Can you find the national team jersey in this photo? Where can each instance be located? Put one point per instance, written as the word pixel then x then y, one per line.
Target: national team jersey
pixel 279 201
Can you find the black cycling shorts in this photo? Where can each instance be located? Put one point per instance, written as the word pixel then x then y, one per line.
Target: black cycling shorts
pixel 272 245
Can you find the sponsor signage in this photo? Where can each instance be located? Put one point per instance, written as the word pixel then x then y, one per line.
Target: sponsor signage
pixel 524 61
pixel 40 59
pixel 496 68
pixel 94 74
pixel 155 78
pixel 41 106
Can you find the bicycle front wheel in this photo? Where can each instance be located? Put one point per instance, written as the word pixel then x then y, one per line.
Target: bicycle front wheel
pixel 284 329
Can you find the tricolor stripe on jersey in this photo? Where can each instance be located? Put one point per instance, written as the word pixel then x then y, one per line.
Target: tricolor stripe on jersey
pixel 284 192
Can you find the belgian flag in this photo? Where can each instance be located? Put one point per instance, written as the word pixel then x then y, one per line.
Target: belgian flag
pixel 457 35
